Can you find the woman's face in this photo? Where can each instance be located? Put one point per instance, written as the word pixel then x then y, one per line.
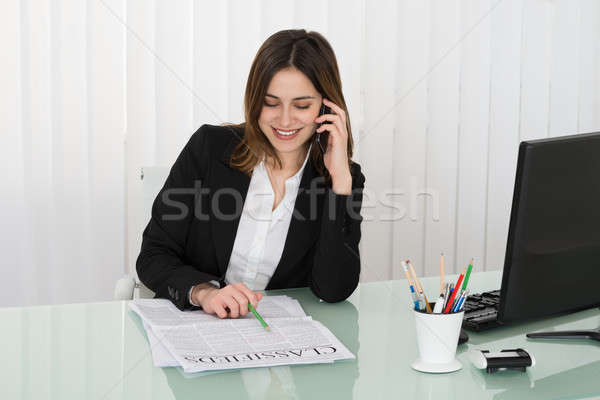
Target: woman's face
pixel 289 110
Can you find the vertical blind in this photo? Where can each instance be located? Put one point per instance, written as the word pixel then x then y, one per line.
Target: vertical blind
pixel 440 94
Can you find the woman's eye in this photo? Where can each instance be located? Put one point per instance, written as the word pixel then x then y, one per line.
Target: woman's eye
pixel 275 105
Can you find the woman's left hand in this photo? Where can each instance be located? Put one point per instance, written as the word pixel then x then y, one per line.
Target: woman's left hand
pixel 336 155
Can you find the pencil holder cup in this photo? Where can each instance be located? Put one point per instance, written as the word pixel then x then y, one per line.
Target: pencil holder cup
pixel 437 339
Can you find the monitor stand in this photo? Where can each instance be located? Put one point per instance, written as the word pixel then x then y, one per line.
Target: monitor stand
pixel 463 337
pixel 593 334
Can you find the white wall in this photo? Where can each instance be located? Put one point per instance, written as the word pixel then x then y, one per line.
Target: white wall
pixel 440 94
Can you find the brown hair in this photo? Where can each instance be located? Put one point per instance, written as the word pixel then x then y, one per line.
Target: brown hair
pixel 309 53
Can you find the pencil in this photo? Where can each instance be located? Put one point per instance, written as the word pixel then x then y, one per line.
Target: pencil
pixel 411 286
pixel 408 277
pixel 259 318
pixel 469 268
pixel 419 287
pixel 442 273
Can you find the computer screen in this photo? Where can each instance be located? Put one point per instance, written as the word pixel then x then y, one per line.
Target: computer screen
pixel 552 262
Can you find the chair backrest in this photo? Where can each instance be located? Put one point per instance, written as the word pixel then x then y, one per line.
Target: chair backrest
pixel 153 179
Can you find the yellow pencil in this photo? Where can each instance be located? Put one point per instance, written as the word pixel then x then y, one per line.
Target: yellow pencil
pixel 408 277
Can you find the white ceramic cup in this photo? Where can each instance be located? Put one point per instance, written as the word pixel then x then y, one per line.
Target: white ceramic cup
pixel 437 339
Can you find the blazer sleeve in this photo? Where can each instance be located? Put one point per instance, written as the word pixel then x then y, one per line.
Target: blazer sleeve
pixel 336 263
pixel 161 264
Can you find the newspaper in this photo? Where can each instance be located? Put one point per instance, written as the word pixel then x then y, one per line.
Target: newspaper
pixel 161 312
pixel 199 342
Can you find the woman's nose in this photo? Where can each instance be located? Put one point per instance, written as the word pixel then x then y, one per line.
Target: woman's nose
pixel 286 117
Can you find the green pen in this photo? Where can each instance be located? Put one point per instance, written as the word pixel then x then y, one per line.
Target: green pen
pixel 259 318
pixel 469 268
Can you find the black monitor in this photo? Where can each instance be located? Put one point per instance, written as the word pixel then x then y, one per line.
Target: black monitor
pixel 552 262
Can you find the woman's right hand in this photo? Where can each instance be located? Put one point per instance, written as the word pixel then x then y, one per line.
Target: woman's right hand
pixel 228 302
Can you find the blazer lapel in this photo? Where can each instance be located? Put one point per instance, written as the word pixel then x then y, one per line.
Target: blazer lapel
pixel 229 188
pixel 304 227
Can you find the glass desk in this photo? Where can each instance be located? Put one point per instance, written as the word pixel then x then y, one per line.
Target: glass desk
pixel 100 351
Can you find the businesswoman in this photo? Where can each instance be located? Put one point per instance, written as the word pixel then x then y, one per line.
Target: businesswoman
pixel 271 203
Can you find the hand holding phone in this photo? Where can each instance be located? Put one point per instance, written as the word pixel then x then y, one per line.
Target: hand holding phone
pixel 323 137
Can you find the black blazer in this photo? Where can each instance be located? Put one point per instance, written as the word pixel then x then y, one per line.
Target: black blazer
pixel 195 217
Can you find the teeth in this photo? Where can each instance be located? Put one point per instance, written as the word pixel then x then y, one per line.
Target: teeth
pixel 286 133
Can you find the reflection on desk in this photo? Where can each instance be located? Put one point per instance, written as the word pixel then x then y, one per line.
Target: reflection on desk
pixel 100 351
pixel 576 383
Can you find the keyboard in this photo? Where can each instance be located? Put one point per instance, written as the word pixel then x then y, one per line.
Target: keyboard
pixel 481 311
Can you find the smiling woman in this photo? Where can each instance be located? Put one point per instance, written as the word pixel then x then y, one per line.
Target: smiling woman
pixel 288 123
pixel 256 206
pixel 293 73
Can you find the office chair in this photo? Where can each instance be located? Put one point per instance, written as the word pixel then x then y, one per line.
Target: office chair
pixel 153 179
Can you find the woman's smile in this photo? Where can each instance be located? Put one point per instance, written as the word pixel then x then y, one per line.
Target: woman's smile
pixel 285 134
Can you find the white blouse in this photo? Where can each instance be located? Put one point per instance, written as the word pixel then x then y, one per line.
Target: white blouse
pixel 262 232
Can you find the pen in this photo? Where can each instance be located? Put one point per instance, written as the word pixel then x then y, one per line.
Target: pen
pixel 421 302
pixel 258 317
pixel 462 305
pixel 453 295
pixel 419 287
pixel 412 288
pixel 462 301
pixel 447 298
pixel 446 295
pixel 416 299
pixel 457 301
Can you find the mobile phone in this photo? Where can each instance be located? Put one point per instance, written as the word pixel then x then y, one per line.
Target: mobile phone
pixel 323 137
